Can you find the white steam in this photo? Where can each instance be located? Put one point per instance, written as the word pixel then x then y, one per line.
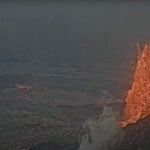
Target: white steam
pixel 103 133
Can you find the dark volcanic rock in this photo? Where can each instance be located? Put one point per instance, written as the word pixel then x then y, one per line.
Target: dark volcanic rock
pixel 44 118
pixel 136 136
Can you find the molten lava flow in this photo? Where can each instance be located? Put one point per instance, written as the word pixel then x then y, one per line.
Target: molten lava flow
pixel 137 103
pixel 22 86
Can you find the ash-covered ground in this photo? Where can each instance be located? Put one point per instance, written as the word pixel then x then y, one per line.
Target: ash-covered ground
pixel 51 113
pixel 65 107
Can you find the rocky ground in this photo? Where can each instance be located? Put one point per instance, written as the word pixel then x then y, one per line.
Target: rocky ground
pixel 136 136
pixel 43 118
pixel 46 109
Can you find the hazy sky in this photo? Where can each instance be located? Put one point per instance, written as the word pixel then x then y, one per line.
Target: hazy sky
pixel 73 32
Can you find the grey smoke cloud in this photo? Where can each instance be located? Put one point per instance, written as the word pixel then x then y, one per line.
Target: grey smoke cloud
pixel 103 132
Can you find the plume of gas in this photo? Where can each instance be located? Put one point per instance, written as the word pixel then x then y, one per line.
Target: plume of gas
pixel 103 133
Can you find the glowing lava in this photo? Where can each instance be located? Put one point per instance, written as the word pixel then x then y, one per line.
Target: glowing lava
pixel 137 102
pixel 22 86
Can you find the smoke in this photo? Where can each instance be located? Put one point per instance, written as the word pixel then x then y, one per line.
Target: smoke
pixel 102 133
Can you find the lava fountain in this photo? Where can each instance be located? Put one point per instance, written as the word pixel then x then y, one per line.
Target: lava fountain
pixel 137 102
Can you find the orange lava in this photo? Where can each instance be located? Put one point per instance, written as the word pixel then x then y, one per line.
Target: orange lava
pixel 22 86
pixel 137 102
